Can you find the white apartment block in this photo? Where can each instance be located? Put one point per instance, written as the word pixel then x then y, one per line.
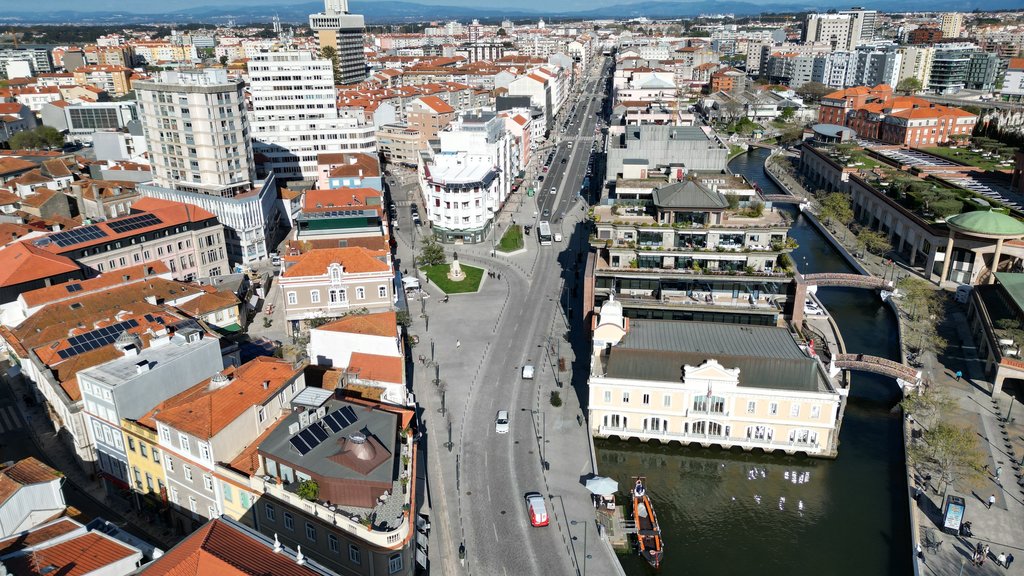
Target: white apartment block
pixel 295 114
pixel 470 178
pixel 197 130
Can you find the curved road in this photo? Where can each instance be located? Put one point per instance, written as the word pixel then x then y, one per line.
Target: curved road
pixel 496 471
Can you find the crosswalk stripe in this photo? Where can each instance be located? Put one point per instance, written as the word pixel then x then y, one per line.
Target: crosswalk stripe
pixel 17 420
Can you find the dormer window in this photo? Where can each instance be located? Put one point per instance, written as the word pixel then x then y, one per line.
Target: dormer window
pixel 335 271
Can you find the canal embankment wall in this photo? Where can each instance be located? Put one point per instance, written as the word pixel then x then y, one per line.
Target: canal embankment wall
pixel 813 219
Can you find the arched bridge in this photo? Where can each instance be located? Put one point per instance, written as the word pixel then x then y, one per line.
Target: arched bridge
pixel 784 199
pixel 877 365
pixel 847 280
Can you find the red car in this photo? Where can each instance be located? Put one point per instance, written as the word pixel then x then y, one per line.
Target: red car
pixel 537 509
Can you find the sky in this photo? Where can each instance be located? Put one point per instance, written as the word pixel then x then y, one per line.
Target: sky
pixel 150 6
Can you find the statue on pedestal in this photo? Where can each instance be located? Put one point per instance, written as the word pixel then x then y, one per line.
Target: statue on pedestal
pixel 455 272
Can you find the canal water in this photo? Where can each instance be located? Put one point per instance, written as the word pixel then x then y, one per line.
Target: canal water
pixel 759 515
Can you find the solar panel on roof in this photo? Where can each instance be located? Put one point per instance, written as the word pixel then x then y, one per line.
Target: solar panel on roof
pixel 335 421
pixel 299 445
pixel 350 414
pixel 77 236
pixel 309 438
pixel 97 338
pixel 73 287
pixel 319 432
pixel 134 223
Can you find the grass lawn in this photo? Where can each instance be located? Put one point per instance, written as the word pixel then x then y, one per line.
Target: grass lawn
pixel 965 156
pixel 438 274
pixel 735 150
pixel 512 239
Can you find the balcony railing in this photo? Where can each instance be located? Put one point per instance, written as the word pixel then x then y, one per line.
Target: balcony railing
pixel 382 538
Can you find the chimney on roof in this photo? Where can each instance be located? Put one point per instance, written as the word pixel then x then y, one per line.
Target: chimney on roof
pixel 142 366
pixel 266 384
pixel 299 558
pixel 277 543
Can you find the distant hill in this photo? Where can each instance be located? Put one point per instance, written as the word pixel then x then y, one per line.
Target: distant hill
pixel 395 11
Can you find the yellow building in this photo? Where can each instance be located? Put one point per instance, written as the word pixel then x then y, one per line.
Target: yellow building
pixel 706 383
pixel 145 470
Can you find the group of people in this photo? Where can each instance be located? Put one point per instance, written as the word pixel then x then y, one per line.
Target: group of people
pixel 981 553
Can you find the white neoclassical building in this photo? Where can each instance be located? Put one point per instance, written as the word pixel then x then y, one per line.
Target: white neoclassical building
pixel 709 384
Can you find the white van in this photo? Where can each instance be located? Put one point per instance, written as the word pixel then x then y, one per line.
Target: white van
pixel 558 236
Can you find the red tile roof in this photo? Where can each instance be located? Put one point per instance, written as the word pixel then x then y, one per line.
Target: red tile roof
pixel 25 472
pixel 376 367
pixel 170 213
pixel 78 556
pixel 203 411
pixel 353 261
pixel 437 105
pixel 379 324
pixel 39 535
pixel 22 262
pixel 225 550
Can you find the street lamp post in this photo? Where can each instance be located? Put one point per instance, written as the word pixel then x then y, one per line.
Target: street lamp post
pixel 585 555
pixel 494 229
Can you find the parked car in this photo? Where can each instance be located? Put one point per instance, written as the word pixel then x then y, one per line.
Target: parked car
pixel 501 425
pixel 537 509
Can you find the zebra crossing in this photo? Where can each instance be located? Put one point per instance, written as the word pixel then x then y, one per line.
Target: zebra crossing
pixel 10 420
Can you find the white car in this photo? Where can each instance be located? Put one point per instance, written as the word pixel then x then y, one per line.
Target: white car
pixel 501 425
pixel 528 372
pixel 558 236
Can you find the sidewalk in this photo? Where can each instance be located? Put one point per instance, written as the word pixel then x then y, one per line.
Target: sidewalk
pixel 1001 528
pixel 56 454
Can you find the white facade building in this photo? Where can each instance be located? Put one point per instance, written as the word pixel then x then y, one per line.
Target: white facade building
pixel 470 179
pixel 295 114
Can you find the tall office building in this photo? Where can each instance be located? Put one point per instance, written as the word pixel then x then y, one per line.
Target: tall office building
pixel 295 114
pixel 844 31
pixel 950 23
pixel 197 130
pixel 337 28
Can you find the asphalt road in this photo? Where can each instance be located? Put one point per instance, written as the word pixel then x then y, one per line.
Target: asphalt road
pixel 496 471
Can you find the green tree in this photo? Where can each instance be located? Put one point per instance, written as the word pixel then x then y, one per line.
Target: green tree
pixel 733 200
pixel 501 32
pixel 787 114
pixel 813 91
pixel 224 60
pixel 432 253
pixel 909 86
pixel 24 140
pixel 308 490
pixel 41 137
pixel 330 53
pixel 836 207
pixel 874 242
pixel 926 405
pixel 951 452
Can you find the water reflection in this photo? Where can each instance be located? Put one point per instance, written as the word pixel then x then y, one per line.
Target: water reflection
pixel 736 513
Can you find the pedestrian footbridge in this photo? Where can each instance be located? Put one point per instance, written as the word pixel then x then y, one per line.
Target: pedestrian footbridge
pixel 874 364
pixel 846 280
pixel 784 199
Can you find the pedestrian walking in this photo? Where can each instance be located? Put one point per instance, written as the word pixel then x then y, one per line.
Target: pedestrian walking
pixel 984 553
pixel 999 471
pixel 1001 559
pixel 991 501
pixel 959 375
pixel 458 344
pixel 1009 560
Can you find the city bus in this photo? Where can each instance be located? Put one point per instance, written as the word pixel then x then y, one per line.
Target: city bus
pixel 544 233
